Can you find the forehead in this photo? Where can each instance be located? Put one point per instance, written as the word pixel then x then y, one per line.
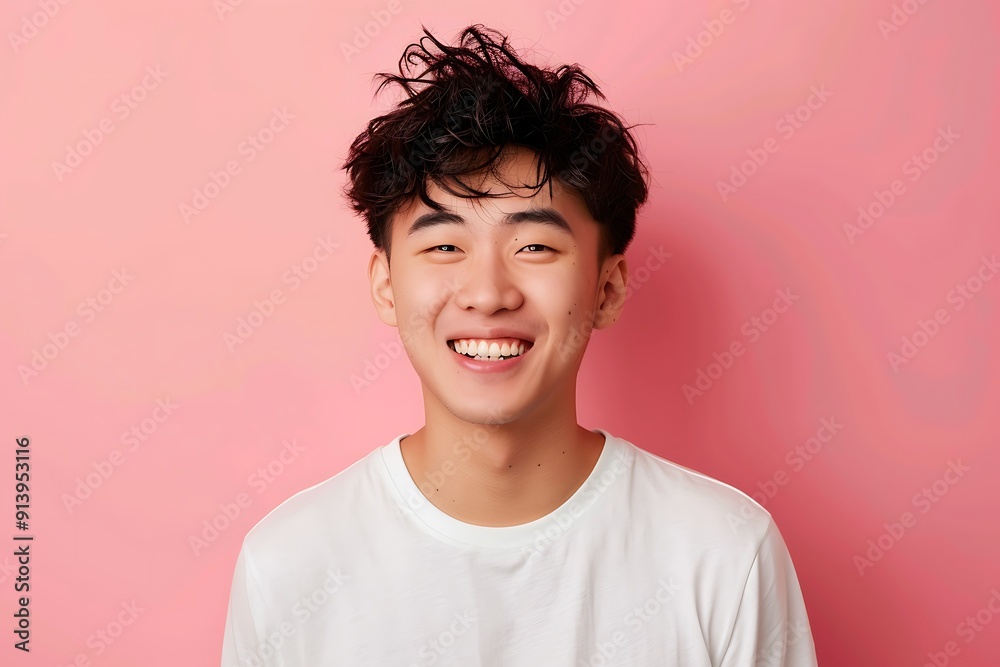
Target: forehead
pixel 513 198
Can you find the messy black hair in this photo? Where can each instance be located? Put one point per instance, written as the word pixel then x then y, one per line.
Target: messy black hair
pixel 468 104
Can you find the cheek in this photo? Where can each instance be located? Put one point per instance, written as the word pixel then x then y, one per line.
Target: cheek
pixel 417 308
pixel 570 315
pixel 579 315
pixel 573 297
pixel 581 325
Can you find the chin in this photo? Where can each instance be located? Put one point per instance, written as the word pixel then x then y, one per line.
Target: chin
pixel 488 414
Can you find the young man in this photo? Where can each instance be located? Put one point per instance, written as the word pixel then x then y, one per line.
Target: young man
pixel 502 532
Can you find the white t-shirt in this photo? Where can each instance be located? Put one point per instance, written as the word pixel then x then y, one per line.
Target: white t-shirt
pixel 648 563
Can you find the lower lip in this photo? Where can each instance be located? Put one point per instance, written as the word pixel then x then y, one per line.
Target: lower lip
pixel 485 366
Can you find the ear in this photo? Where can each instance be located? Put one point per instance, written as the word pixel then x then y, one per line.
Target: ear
pixel 611 290
pixel 381 287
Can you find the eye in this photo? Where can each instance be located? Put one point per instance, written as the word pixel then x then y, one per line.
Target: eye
pixel 533 245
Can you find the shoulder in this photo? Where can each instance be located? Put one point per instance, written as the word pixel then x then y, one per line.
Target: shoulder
pixel 710 509
pixel 320 514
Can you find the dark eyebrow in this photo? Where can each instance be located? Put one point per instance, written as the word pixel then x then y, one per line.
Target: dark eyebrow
pixel 544 216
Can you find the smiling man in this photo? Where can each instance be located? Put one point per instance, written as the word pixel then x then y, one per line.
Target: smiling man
pixel 521 285
pixel 502 532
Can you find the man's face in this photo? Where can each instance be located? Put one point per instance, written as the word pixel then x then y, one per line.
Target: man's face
pixel 531 282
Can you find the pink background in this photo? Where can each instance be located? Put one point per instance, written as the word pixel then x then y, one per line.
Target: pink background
pixel 160 333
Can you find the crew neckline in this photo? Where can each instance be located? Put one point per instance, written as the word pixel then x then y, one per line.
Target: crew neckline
pixel 449 529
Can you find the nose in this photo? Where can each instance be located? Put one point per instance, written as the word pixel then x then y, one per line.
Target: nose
pixel 487 285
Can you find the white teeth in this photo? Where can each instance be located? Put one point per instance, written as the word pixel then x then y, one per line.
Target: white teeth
pixel 484 350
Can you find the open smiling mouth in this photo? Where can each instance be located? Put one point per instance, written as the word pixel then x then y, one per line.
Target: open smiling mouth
pixel 490 350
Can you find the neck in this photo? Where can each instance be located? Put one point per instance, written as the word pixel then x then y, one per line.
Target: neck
pixel 500 475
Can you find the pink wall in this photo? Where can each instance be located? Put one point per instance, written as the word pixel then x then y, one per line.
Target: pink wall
pixel 131 300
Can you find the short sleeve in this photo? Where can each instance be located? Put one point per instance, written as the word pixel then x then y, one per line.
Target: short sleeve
pixel 772 627
pixel 241 642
